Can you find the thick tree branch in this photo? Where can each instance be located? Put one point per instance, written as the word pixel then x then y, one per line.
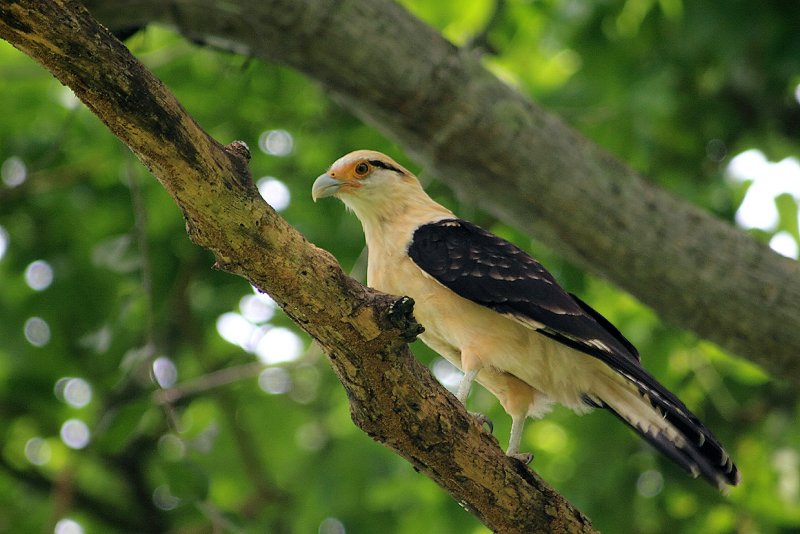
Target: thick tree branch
pixel 393 398
pixel 501 151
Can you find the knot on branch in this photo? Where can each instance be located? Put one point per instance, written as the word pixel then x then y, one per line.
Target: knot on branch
pixel 239 154
pixel 401 316
pixel 384 318
pixel 239 148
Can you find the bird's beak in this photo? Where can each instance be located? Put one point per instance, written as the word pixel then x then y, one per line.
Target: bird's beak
pixel 325 186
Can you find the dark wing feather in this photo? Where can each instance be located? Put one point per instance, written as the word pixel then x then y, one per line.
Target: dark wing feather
pixel 490 271
pixel 610 328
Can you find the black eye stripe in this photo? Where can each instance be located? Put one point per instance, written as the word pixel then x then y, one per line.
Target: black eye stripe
pixel 384 165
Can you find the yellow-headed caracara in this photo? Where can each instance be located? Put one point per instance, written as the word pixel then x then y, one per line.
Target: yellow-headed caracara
pixel 500 317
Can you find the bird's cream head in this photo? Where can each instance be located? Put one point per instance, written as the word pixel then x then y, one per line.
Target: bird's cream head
pixel 371 184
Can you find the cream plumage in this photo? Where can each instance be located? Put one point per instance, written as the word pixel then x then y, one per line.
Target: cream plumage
pixel 499 316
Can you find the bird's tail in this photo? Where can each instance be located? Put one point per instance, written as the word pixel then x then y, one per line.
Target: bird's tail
pixel 665 422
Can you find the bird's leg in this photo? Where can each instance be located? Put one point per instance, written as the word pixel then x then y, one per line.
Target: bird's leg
pixel 462 392
pixel 465 385
pixel 520 399
pixel 517 424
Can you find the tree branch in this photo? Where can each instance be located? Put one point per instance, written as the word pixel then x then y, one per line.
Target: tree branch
pixel 392 397
pixel 499 150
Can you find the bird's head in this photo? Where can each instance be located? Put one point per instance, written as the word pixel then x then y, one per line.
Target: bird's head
pixel 369 182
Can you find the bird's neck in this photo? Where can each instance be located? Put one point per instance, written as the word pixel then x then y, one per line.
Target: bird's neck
pixel 390 222
pixel 388 231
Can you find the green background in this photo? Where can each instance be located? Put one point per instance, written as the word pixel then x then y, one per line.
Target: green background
pixel 674 88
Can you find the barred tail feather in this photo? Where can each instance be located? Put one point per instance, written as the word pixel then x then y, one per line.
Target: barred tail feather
pixel 665 422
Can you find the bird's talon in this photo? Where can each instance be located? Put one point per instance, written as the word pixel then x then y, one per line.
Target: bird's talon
pixel 483 420
pixel 524 457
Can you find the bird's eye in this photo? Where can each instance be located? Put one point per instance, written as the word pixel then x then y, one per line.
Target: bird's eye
pixel 362 169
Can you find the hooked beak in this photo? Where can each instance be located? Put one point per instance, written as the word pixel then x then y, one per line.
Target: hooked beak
pixel 325 186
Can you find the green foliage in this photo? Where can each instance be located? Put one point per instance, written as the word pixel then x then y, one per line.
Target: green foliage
pixel 674 88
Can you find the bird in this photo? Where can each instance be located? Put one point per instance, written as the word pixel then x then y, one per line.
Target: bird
pixel 499 316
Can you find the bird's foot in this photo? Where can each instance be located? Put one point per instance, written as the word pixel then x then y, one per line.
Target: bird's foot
pixel 483 420
pixel 524 457
pixel 401 315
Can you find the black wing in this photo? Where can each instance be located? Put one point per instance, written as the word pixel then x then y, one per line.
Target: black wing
pixel 490 271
